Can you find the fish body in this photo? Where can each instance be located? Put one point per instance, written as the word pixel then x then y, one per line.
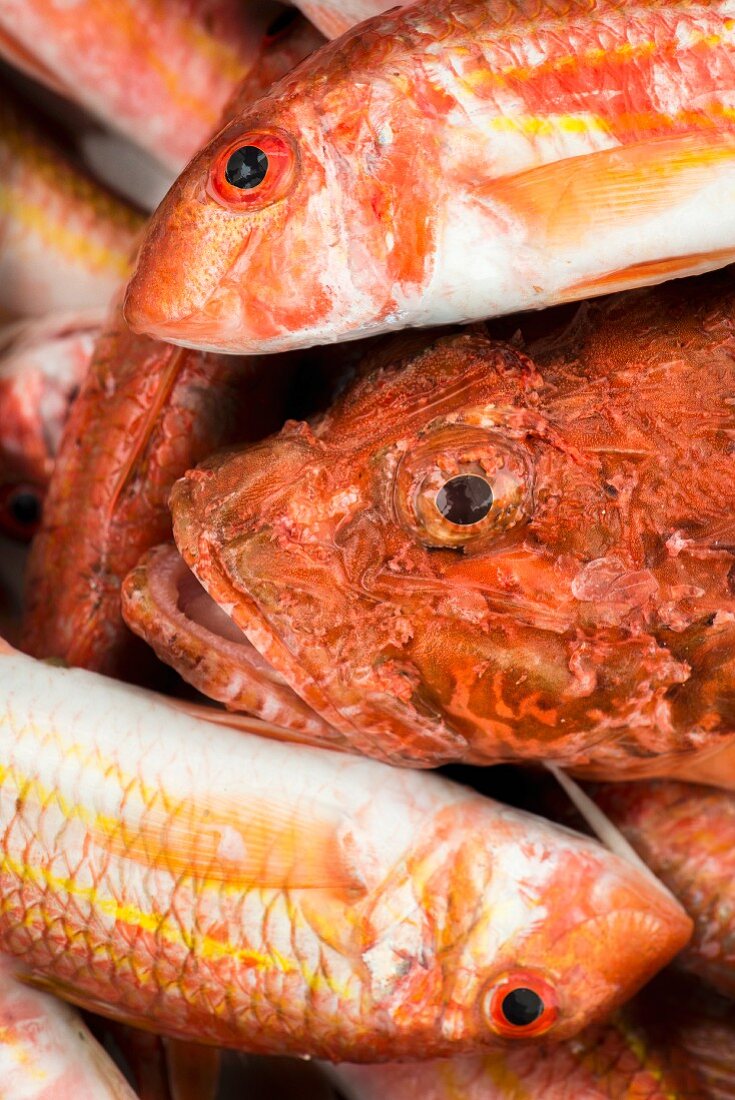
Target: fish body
pixel 42 366
pixel 66 242
pixel 146 413
pixel 160 71
pixel 449 161
pixel 578 608
pixel 47 1053
pixel 242 893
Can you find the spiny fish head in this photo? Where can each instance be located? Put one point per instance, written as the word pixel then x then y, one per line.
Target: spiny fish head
pixel 454 564
pixel 302 222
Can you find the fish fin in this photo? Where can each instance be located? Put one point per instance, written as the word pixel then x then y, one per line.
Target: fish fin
pixel 650 272
pixel 567 200
pixel 245 723
pixel 193 1070
pixel 603 828
pixel 265 842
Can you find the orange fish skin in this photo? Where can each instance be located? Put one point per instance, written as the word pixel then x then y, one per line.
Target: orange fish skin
pixel 450 161
pixel 66 241
pixel 686 834
pixel 146 413
pixel 187 57
pixel 674 1041
pixel 47 1053
pixel 589 617
pixel 283 899
pixel 42 365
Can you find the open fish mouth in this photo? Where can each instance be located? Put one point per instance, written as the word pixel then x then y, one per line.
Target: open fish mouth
pixel 164 603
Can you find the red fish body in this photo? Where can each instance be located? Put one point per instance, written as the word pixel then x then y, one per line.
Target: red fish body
pixel 146 412
pixel 448 161
pixel 42 366
pixel 485 554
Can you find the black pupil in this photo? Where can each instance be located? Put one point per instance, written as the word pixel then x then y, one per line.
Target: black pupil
pixel 465 499
pixel 246 167
pixel 25 508
pixel 522 1007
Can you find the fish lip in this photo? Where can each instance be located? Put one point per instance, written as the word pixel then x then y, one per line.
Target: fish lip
pixel 157 599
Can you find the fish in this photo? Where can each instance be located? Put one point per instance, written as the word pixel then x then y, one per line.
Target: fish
pixel 281 899
pixel 486 550
pixel 47 1052
pixel 146 412
pixel 67 241
pixel 669 1043
pixel 684 833
pixel 42 366
pixel 158 71
pixel 447 162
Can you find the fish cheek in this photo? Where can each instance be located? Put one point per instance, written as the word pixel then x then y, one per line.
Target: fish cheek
pixel 704 702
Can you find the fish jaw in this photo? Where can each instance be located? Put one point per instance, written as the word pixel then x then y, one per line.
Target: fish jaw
pixel 164 604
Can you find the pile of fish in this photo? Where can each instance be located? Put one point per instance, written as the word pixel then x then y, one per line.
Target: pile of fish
pixel 296 508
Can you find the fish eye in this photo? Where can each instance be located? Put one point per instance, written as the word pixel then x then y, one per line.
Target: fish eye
pixel 462 486
pixel 520 1005
pixel 465 499
pixel 20 510
pixel 253 171
pixel 246 167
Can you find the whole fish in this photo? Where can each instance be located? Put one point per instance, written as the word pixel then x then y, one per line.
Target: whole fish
pixel 42 366
pixel 160 71
pixel 239 892
pixel 485 554
pixel 686 834
pixel 146 412
pixel 453 160
pixel 46 1052
pixel 66 241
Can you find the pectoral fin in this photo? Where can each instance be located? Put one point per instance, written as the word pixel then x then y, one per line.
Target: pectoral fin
pixel 566 201
pixel 265 843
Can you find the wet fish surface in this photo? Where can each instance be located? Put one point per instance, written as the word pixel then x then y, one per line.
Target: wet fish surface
pixel 234 891
pixel 484 553
pixel 450 161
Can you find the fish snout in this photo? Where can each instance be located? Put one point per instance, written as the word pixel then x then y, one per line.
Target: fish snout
pixel 178 288
pixel 618 952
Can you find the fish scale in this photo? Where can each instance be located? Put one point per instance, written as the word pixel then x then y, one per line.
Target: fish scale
pixel 454 160
pixel 243 893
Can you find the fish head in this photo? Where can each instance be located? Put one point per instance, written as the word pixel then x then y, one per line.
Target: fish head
pixel 295 226
pixel 453 563
pixel 531 932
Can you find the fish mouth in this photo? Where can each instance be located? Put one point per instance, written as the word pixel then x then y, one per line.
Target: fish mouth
pixel 164 603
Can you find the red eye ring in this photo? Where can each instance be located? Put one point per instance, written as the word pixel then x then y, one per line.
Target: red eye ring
pixel 20 510
pixel 272 161
pixel 520 1005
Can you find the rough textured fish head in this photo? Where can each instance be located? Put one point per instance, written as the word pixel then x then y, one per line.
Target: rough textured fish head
pixel 468 558
pixel 325 232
